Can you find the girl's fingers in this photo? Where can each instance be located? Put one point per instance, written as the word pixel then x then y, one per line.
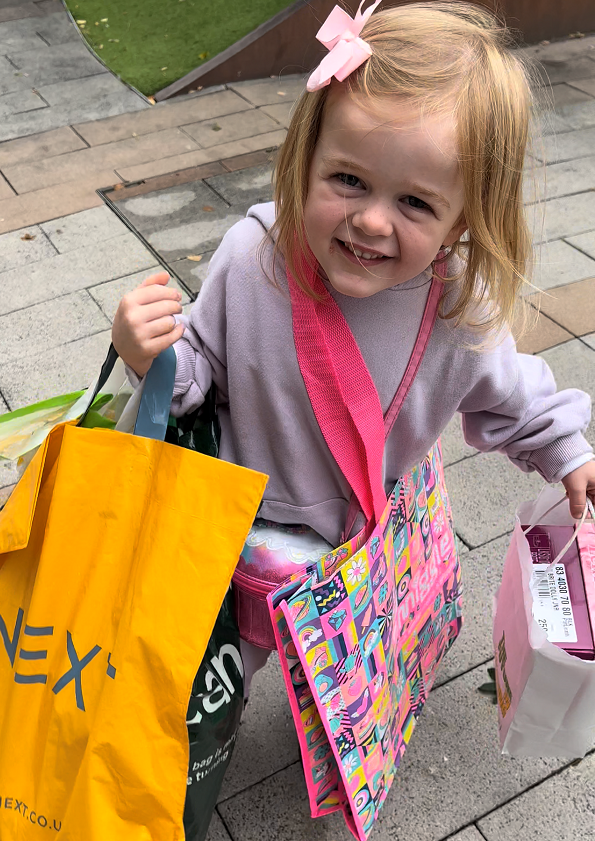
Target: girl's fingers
pixel 152 312
pixel 160 278
pixel 162 327
pixel 162 342
pixel 150 294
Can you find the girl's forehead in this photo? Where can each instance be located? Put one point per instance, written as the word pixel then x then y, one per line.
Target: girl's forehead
pixel 352 120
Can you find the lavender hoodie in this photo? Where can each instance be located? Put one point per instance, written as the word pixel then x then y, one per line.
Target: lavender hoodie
pixel 239 335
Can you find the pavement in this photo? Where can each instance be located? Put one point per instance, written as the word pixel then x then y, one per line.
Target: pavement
pixel 176 176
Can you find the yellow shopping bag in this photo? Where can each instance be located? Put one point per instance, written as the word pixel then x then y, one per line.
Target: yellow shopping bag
pixel 115 554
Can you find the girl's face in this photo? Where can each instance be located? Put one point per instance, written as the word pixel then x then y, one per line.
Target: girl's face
pixel 384 194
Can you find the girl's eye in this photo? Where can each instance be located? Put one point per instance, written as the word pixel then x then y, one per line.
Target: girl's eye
pixel 418 204
pixel 348 180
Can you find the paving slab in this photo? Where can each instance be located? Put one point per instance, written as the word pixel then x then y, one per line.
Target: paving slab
pixel 558 263
pixel 566 94
pixel 59 63
pixel 40 328
pixel 118 100
pixel 562 51
pixel 281 113
pixel 564 217
pixel 573 306
pixel 21 102
pixel 543 334
pixel 6 191
pixel 245 187
pixel 13 42
pixel 217 831
pixel 58 370
pixel 454 446
pixel 35 175
pixel 70 272
pixel 482 574
pixel 256 756
pixel 585 242
pixel 191 273
pixel 39 146
pixel 563 179
pixel 579 66
pixel 586 85
pixel 566 146
pixel 20 248
pixel 19 10
pixel 231 127
pixel 108 295
pixel 54 29
pixel 81 229
pixel 271 91
pixel 175 221
pixel 9 473
pixel 580 115
pixel 469 834
pixel 164 115
pixel 51 202
pixel 454 749
pixel 573 366
pixel 270 140
pixel 559 809
pixel 485 491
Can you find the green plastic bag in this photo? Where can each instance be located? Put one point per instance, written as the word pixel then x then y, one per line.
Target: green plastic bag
pixel 217 699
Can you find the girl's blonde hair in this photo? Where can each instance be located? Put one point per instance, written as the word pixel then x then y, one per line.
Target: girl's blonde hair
pixel 439 55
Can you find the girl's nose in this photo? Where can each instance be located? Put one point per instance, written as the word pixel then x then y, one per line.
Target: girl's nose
pixel 373 219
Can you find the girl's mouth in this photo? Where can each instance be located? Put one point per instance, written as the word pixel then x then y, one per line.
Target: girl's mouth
pixel 360 256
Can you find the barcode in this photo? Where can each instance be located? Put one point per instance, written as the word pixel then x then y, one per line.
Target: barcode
pixel 543 588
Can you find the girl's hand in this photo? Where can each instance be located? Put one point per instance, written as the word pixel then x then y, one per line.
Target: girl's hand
pixel 579 484
pixel 144 324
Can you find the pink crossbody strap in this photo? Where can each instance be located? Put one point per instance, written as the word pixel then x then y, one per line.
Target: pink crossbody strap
pixel 342 393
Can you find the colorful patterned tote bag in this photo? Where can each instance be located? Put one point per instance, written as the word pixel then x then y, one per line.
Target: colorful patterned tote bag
pixel 360 634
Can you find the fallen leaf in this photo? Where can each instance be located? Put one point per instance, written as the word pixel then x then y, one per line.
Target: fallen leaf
pixel 151 99
pixel 118 186
pixel 27 237
pixel 134 134
pixel 114 40
pixel 163 68
pixel 196 258
pixel 204 55
pixel 104 20
pixel 100 47
pixel 208 208
pixel 59 230
pixel 81 22
pixel 216 127
pixel 281 93
pixel 96 23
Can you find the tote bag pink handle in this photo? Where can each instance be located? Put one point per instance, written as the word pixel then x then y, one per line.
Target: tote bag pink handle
pixel 342 393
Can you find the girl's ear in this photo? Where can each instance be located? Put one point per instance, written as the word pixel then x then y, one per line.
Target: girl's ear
pixel 456 232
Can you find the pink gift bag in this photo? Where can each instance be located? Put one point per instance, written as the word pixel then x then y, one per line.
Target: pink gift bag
pixel 546 697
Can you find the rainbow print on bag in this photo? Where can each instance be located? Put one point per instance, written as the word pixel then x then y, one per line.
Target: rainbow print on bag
pixel 360 636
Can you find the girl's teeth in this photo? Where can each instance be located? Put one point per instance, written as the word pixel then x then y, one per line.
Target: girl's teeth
pixel 365 255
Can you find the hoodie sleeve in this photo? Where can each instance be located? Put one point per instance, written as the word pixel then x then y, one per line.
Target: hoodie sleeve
pixel 514 408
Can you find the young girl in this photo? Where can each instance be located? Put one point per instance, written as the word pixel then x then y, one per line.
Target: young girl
pixel 406 163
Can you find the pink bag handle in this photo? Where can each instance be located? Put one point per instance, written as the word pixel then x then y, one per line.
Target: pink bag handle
pixel 421 343
pixel 341 390
pixel 342 393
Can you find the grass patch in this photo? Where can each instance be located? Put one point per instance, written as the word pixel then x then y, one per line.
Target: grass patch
pixel 151 43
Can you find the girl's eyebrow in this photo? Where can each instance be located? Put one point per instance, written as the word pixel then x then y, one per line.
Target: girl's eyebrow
pixel 417 188
pixel 346 163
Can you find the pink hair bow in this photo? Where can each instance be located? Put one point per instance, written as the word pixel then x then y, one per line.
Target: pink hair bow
pixel 339 34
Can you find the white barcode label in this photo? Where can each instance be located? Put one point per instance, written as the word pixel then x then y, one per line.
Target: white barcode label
pixel 552 608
